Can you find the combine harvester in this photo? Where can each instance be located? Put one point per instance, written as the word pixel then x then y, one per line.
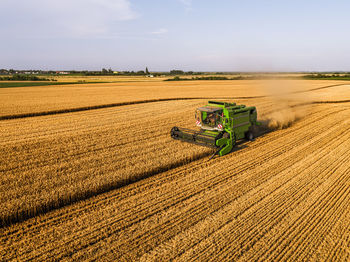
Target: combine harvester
pixel 222 124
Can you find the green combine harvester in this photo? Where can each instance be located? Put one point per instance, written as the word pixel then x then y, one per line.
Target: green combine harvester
pixel 221 125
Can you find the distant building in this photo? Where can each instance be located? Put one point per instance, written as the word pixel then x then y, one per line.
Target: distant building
pixel 115 72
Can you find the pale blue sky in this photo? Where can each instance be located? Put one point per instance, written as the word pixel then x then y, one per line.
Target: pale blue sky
pixel 205 35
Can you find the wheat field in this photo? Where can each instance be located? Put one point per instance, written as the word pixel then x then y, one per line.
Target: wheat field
pixel 89 172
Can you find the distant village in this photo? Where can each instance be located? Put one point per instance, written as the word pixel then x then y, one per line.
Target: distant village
pixel 104 71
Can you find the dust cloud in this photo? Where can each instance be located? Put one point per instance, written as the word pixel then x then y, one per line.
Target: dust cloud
pixel 285 103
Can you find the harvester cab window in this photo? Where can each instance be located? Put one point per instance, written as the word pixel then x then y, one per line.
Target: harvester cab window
pixel 211 118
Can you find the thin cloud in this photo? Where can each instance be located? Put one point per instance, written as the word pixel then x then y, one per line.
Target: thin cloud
pixel 160 31
pixel 65 18
pixel 187 4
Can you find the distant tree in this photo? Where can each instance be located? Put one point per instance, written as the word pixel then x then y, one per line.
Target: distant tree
pixel 147 72
pixel 104 71
pixel 176 72
pixel 3 72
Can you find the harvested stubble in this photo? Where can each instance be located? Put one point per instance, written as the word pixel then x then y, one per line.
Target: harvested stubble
pixel 284 199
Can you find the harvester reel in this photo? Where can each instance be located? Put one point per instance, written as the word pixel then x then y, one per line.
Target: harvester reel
pixel 173 132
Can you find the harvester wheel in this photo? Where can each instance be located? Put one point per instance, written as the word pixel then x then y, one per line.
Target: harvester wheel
pixel 173 131
pixel 249 136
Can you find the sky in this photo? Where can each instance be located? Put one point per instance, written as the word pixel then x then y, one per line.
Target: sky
pixel 196 35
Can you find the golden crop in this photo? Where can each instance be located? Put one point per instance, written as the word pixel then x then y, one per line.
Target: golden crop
pixel 126 191
pixel 29 100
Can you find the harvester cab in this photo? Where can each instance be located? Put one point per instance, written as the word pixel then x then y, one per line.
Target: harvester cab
pixel 221 125
pixel 209 118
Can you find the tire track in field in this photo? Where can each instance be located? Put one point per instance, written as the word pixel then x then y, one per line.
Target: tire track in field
pixel 86 108
pixel 99 227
